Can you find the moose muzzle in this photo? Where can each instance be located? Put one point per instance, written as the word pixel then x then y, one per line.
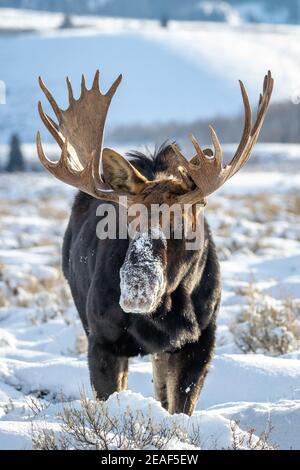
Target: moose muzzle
pixel 143 273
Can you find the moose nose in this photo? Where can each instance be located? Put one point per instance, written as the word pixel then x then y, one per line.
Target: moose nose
pixel 136 303
pixel 138 297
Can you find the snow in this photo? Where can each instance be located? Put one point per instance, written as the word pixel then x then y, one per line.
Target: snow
pixel 252 378
pixel 186 72
pixel 42 352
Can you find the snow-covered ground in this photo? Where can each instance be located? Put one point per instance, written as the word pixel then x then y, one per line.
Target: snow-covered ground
pixel 185 72
pixel 255 219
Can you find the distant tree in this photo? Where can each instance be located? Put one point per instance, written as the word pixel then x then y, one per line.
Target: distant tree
pixel 15 158
pixel 66 23
pixel 164 21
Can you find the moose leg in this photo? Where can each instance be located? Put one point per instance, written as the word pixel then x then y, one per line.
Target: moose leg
pixel 160 373
pixel 108 373
pixel 186 373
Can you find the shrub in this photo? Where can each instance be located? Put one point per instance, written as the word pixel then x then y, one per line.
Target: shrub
pixel 92 427
pixel 266 327
pixel 248 440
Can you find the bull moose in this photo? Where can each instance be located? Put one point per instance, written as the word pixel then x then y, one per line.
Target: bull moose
pixel 144 294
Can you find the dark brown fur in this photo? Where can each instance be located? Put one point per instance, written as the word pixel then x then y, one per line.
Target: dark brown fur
pixel 180 333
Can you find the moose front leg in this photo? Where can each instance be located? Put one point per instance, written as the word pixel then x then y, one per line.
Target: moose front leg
pixel 160 377
pixel 187 370
pixel 108 373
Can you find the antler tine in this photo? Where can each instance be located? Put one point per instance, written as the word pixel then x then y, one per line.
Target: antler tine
pixel 114 87
pixel 95 85
pixel 218 155
pixel 51 100
pixel 264 103
pixel 247 120
pixel 249 139
pixel 50 124
pixel 83 85
pixel 232 166
pixel 266 81
pixel 197 146
pixel 44 160
pixel 261 114
pixel 217 147
pixel 70 90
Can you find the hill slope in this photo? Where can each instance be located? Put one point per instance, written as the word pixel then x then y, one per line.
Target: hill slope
pixel 186 72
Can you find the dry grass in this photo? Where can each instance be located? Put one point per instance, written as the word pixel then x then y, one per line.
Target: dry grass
pixel 92 426
pixel 250 223
pixel 293 206
pixel 249 441
pixel 81 345
pixel 49 211
pixel 265 327
pixel 44 290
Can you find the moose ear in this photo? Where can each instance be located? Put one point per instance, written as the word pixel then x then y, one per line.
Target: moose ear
pixel 120 174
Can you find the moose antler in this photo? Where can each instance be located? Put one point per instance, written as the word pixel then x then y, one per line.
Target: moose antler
pixel 206 169
pixel 79 133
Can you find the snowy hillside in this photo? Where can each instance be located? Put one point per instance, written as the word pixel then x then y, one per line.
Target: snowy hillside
pixel 182 73
pixel 43 365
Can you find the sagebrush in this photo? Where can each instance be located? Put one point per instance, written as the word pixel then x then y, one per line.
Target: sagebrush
pixel 268 327
pixel 91 425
